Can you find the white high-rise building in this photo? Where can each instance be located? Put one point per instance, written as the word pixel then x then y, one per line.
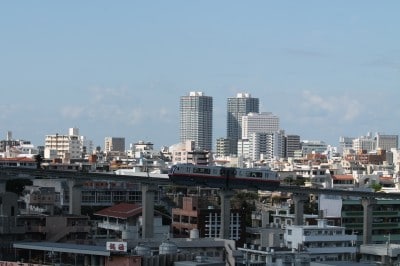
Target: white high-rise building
pixel 267 146
pixel 196 119
pixel 244 148
pixel 259 123
pixel 238 107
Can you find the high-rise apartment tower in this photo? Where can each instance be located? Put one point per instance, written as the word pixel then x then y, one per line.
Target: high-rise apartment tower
pixel 238 107
pixel 196 120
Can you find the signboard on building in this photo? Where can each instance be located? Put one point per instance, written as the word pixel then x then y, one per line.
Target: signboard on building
pixel 117 246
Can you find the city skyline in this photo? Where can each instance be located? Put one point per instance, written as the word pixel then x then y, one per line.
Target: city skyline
pixel 326 69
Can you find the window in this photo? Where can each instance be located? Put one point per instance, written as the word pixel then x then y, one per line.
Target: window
pixel 289 232
pixel 197 170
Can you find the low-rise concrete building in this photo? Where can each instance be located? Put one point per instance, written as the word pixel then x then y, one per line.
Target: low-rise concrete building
pixel 323 242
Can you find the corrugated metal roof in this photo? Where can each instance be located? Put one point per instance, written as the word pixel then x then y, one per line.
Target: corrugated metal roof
pixel 121 211
pixel 64 248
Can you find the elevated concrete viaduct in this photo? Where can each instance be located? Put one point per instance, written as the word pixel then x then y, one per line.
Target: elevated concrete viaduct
pixel 149 186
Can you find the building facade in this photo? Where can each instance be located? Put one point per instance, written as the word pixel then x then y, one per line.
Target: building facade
pixel 385 220
pixel 114 144
pixel 63 146
pixel 266 146
pixel 196 119
pixel 259 123
pixel 322 241
pixel 366 143
pixel 223 147
pixel 238 107
pixel 387 142
pixel 313 146
pixel 206 220
pixel 292 144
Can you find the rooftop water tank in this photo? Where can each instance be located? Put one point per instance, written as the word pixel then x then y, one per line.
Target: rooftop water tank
pixel 194 233
pixel 142 250
pixel 168 248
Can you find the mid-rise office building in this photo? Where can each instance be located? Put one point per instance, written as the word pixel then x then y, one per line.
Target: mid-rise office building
pixel 313 146
pixel 345 144
pixel 387 142
pixel 238 107
pixel 292 144
pixel 259 123
pixel 114 144
pixel 366 143
pixel 196 120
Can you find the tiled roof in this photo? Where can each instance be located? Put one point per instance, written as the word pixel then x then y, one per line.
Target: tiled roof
pixel 17 159
pixel 342 177
pixel 121 210
pixel 386 180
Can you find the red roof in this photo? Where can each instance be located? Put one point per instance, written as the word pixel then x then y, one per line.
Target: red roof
pixel 121 210
pixel 342 177
pixel 386 180
pixel 17 159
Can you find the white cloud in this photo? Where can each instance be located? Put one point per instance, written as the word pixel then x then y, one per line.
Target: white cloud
pixel 72 112
pixel 135 116
pixel 319 107
pixel 99 94
pixel 6 110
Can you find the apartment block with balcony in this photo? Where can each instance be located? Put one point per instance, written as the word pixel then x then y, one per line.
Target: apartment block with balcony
pixel 323 242
pixel 187 153
pixel 385 220
pixel 60 228
pixel 124 221
pixel 207 220
pixel 64 147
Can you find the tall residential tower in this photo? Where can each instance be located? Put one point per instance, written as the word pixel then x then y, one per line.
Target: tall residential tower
pixel 196 119
pixel 238 107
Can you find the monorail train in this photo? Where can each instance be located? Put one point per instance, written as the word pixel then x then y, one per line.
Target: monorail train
pixel 224 177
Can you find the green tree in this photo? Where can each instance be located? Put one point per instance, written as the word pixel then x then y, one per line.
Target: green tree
pixel 376 187
pixel 39 160
pixel 17 185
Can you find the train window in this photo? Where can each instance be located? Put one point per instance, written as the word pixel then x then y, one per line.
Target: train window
pixel 201 170
pixel 254 174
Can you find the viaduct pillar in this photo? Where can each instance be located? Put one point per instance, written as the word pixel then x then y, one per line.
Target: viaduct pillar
pixel 148 194
pixel 75 196
pixel 368 205
pixel 299 199
pixel 226 196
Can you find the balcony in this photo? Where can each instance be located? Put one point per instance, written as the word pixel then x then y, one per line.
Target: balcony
pixel 35 229
pixel 332 250
pixel 329 238
pixel 117 227
pixel 12 229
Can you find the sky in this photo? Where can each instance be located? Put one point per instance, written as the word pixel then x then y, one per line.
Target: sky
pixel 118 68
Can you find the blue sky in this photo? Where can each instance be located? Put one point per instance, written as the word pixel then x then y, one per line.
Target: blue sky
pixel 118 68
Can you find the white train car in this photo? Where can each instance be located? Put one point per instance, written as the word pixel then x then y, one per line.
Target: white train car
pixel 224 177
